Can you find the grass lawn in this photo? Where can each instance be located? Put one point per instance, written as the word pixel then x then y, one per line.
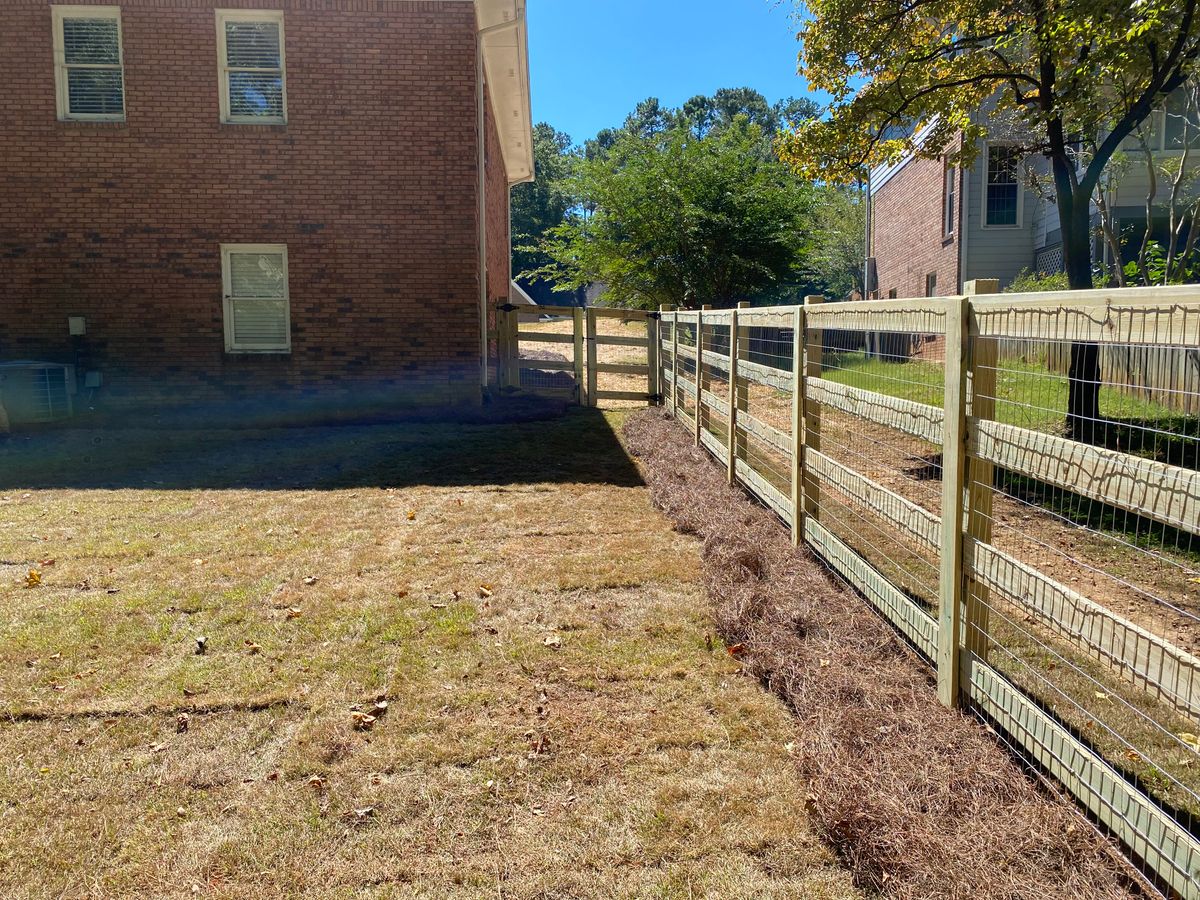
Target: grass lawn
pixel 556 725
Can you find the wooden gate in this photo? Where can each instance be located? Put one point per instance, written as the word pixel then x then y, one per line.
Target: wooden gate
pixel 587 355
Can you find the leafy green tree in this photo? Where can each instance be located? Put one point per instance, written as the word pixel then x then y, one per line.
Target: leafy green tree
pixel 1066 79
pixel 839 223
pixel 543 204
pixel 677 218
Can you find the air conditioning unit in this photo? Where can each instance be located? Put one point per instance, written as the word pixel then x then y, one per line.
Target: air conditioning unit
pixel 37 391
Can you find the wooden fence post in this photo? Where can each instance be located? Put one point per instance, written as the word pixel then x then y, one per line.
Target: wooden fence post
pixel 814 365
pixel 799 383
pixel 577 358
pixel 503 357
pixel 741 386
pixel 674 362
pixel 731 434
pixel 591 357
pixel 512 323
pixel 954 446
pixel 653 354
pixel 699 373
pixel 983 356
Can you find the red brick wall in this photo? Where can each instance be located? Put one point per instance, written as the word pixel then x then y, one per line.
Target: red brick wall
pixel 372 185
pixel 907 239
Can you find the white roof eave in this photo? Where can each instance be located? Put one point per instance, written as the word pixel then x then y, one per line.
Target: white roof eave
pixel 504 43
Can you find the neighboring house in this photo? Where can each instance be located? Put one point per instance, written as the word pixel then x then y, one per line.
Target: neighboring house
pixel 932 226
pixel 290 199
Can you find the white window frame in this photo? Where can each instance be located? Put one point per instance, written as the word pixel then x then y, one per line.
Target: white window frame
pixel 231 346
pixel 983 210
pixel 249 15
pixel 949 200
pixel 62 92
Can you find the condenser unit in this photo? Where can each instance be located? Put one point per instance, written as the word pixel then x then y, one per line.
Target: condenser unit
pixel 36 391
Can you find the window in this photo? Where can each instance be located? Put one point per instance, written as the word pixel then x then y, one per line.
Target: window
pixel 257 308
pixel 1170 128
pixel 1002 190
pixel 948 186
pixel 931 284
pixel 251 60
pixel 88 65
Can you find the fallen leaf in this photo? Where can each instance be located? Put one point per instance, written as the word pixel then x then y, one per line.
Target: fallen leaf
pixel 317 783
pixel 310 580
pixel 825 664
pixel 736 650
pixel 1100 695
pixel 33 578
pixel 381 708
pixel 1133 756
pixel 412 516
pixel 553 641
pixel 485 591
pixel 1190 739
pixel 253 649
pixel 47 563
pixel 294 613
pixel 181 723
pixel 201 645
pixel 362 721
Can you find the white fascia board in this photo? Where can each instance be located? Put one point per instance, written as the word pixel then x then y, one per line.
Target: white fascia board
pixel 504 43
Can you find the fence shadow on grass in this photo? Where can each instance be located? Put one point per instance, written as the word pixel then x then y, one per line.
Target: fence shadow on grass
pixel 576 446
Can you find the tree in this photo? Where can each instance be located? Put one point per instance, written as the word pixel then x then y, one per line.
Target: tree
pixel 683 219
pixel 542 204
pixel 839 222
pixel 1069 79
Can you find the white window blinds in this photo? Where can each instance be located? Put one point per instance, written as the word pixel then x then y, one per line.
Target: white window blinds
pixel 88 56
pixel 253 85
pixel 257 306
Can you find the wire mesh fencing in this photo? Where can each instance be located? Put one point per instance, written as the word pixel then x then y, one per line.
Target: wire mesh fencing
pixel 1013 482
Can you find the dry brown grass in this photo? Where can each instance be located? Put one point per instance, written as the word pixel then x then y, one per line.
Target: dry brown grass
pixel 919 801
pixel 569 735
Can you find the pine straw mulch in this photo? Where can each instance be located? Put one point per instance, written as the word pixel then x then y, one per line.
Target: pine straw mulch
pixel 919 801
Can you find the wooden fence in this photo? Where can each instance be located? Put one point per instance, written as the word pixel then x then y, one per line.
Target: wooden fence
pixel 980 574
pixel 575 371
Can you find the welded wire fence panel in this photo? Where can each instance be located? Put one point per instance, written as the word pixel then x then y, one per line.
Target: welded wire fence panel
pixel 877 469
pixel 1079 578
pixel 1085 591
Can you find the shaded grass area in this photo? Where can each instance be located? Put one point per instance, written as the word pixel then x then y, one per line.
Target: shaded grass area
pixel 919 801
pixel 558 724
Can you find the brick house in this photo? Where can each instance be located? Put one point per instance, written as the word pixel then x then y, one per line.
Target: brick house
pixel 219 202
pixel 932 227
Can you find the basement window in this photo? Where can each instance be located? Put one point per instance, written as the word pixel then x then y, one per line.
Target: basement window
pixel 88 63
pixel 257 305
pixel 250 51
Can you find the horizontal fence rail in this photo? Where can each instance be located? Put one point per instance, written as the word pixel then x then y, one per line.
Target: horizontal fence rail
pixel 922 449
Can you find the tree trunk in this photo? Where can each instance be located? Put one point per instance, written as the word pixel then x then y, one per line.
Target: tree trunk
pixel 1083 375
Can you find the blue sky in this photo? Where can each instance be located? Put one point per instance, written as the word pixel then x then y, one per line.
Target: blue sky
pixel 591 61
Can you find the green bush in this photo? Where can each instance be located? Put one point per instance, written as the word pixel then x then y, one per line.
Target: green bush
pixel 1030 282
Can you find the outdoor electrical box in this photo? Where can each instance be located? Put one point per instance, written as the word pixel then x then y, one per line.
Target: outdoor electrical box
pixel 76 326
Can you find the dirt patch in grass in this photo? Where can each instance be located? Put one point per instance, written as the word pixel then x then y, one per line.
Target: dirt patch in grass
pixel 918 800
pixel 557 725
